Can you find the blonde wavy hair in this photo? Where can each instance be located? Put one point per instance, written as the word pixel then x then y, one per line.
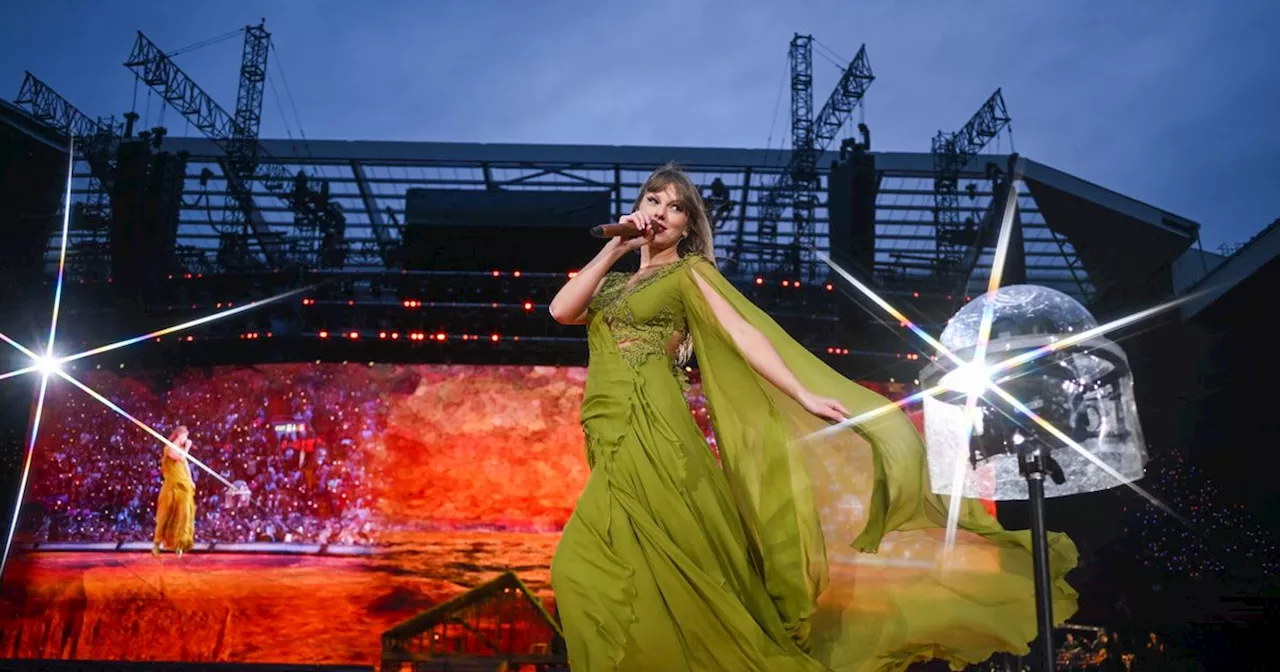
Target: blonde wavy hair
pixel 699 239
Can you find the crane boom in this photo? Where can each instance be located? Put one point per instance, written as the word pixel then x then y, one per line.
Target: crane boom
pixel 853 84
pixel 97 136
pixel 797 186
pixel 46 105
pixel 246 159
pixel 951 153
pixel 242 145
pixel 97 141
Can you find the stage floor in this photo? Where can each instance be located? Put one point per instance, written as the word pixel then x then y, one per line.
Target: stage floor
pixel 251 608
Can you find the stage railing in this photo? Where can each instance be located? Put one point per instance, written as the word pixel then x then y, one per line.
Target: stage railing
pixel 499 621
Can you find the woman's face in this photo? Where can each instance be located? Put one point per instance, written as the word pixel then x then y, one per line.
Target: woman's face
pixel 668 213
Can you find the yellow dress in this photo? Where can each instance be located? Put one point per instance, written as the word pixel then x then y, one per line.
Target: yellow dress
pixel 794 554
pixel 176 506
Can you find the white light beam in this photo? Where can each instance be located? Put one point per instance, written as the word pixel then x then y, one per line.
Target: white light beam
pixel 44 375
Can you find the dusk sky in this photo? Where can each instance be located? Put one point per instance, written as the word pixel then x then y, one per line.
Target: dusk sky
pixel 1175 103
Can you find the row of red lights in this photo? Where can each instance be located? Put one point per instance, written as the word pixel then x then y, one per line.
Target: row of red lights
pixel 844 351
pixel 189 276
pixel 528 306
pixel 794 284
pixel 441 337
pixel 415 303
pixel 412 336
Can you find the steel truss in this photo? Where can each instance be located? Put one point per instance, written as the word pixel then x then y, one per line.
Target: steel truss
pixel 369 181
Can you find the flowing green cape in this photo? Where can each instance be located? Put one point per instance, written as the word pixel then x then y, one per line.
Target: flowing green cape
pixel 847 530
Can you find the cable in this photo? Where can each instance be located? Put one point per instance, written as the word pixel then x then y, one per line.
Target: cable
pixel 289 94
pixel 832 55
pixel 832 60
pixel 773 160
pixel 777 103
pixel 205 43
pixel 288 131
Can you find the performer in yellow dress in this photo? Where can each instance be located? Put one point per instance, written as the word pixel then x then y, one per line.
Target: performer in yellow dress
pixel 796 553
pixel 176 506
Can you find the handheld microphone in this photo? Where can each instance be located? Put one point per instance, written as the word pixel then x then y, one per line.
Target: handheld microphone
pixel 615 230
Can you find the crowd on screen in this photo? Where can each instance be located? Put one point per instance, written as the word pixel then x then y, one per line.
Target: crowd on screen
pixel 292 440
pixel 96 476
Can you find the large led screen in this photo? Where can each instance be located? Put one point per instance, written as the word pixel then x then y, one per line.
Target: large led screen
pixel 361 496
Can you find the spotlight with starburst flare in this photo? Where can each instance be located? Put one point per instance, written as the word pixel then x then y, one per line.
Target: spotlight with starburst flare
pixel 51 367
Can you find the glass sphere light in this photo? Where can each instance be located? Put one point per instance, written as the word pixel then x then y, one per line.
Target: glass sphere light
pixel 1085 390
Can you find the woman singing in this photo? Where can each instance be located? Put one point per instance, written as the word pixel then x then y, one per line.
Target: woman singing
pixel 176 507
pixel 672 561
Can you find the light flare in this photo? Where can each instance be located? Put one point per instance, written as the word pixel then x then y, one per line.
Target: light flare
pixel 978 368
pixel 1089 334
pixel 964 377
pixel 879 301
pixel 24 350
pixel 19 372
pixel 59 361
pixel 62 249
pixel 48 364
pixel 185 325
pixel 1068 441
pixel 44 372
pixel 143 426
pixel 26 472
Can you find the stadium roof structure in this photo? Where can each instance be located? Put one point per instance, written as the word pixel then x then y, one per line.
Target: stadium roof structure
pixel 1251 261
pixel 1078 237
pixel 18 119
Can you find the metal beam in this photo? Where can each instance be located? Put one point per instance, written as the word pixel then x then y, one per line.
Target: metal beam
pixel 617 191
pixel 1260 251
pixel 742 212
pixel 246 158
pixel 925 263
pixel 1087 191
pixel 96 138
pixel 951 153
pixel 1003 202
pixel 895 165
pixel 380 232
pixel 574 180
pixel 253 215
pixel 459 154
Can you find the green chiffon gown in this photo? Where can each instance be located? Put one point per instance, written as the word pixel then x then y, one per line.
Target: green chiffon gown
pixel 790 552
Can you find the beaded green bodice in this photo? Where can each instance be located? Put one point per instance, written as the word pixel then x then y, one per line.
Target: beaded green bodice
pixel 641 316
